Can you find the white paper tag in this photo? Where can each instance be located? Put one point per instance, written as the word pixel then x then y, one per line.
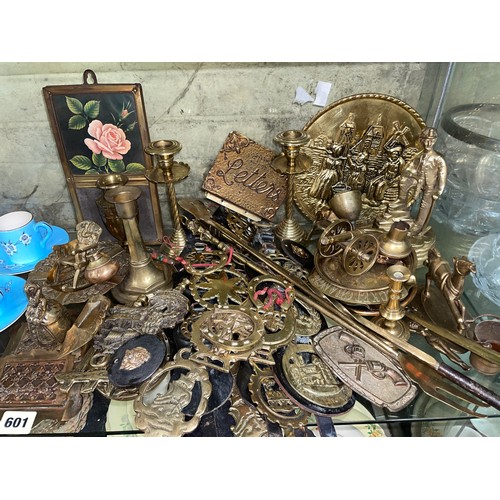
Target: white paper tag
pixel 17 422
pixel 322 91
pixel 301 96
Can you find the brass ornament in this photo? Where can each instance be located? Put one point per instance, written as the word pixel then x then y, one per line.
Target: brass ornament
pixel 62 291
pixel 366 370
pixel 244 227
pixel 227 287
pixel 291 162
pixel 312 385
pixel 167 171
pixel 355 271
pixel 363 141
pixel 308 321
pixel 71 426
pixel 160 414
pixel 273 298
pixel 150 316
pixel 334 238
pixel 223 336
pixel 86 325
pixel 449 283
pixel 29 384
pixel 290 265
pixel 248 421
pixel 273 403
pixel 47 320
pixel 82 262
pixel 207 261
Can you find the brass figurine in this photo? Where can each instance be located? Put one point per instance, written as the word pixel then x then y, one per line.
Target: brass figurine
pixel 143 276
pixel 80 263
pixel 291 162
pixel 47 320
pixel 169 172
pixel 450 284
pixel 425 175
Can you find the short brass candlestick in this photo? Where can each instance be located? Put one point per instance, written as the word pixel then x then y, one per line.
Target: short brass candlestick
pixel 392 313
pixel 290 163
pixel 167 171
pixel 143 276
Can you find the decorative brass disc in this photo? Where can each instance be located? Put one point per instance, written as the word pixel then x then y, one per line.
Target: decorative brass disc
pixel 308 381
pixel 351 142
pixel 227 287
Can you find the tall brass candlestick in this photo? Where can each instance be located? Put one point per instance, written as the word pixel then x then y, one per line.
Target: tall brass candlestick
pixel 143 276
pixel 290 163
pixel 392 313
pixel 167 171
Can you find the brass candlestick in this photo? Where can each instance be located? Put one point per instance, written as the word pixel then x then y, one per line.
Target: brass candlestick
pixel 167 171
pixel 143 276
pixel 290 163
pixel 392 313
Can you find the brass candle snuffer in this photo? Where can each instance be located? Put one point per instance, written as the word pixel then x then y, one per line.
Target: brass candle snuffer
pixel 143 276
pixel 290 163
pixel 168 171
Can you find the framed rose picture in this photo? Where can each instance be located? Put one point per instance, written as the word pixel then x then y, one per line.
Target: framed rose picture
pixel 101 130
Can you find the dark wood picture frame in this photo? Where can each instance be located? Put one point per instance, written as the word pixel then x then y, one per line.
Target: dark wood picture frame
pixel 102 129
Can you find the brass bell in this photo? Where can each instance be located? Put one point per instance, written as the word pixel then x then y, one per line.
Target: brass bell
pixel 396 244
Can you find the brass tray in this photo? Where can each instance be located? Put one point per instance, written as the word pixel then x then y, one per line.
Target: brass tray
pixel 374 124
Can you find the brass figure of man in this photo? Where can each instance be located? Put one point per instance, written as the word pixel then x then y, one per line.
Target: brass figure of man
pixel 425 175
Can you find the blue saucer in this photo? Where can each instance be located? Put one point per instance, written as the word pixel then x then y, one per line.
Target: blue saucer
pixel 59 237
pixel 13 302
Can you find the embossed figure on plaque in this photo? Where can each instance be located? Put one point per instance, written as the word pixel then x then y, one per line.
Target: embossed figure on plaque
pixel 362 142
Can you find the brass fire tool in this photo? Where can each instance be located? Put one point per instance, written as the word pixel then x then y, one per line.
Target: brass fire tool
pixel 169 172
pixel 290 163
pixel 143 276
pixel 409 356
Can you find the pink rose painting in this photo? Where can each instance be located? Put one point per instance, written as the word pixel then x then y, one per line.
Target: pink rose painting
pixel 107 130
pixel 108 140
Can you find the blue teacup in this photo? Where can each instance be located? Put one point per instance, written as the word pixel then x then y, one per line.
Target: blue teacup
pixel 22 240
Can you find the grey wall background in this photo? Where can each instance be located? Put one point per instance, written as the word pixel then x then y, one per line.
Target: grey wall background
pixel 197 104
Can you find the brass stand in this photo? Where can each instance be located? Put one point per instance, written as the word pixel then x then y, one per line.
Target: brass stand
pixel 290 163
pixel 169 172
pixel 392 313
pixel 143 276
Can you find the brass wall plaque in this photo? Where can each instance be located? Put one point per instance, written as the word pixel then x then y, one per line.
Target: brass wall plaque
pixel 242 179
